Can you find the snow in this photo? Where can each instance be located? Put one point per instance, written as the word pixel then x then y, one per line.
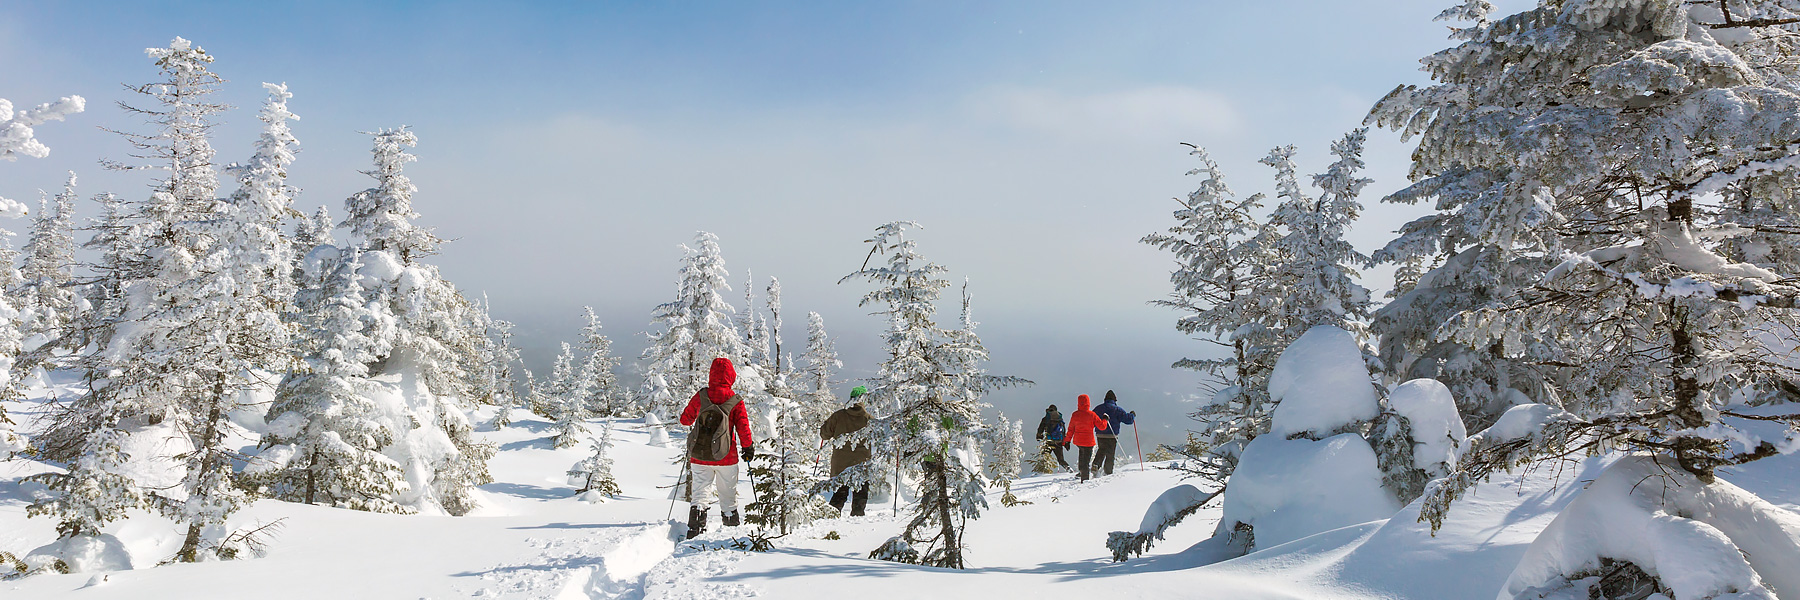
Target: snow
pixel 1522 421
pixel 1290 489
pixel 1170 503
pixel 1436 427
pixel 1322 384
pixel 1701 541
pixel 533 538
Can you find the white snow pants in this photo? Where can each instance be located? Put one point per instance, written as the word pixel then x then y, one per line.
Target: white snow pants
pixel 722 478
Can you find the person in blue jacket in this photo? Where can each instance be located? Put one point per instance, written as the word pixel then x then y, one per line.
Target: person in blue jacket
pixel 1050 431
pixel 1109 439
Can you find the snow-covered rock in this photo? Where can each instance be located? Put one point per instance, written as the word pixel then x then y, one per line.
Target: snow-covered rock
pixel 1321 384
pixel 1290 489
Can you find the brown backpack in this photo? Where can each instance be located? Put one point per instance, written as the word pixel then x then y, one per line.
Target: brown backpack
pixel 710 439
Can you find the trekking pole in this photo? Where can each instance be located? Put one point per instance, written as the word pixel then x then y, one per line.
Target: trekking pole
pixel 672 494
pixel 1140 446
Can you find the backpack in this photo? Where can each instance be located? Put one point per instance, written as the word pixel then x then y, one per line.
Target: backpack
pixel 710 439
pixel 1056 433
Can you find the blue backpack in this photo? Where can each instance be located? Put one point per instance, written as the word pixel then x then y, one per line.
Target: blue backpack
pixel 1056 434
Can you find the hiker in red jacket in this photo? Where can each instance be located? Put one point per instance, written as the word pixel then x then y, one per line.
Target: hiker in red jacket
pixel 718 419
pixel 1082 426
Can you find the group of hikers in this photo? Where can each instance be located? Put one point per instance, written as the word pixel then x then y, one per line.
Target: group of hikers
pixel 719 438
pixel 1093 431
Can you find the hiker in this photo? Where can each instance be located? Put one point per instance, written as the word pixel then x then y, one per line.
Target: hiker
pixel 718 418
pixel 843 422
pixel 1082 426
pixel 1109 439
pixel 1050 432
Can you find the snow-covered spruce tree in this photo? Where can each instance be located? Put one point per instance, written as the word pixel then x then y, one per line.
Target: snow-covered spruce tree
pixel 429 336
pixel 1314 265
pixel 228 325
pixel 784 475
pixel 754 327
pixel 1621 128
pixel 592 477
pixel 600 387
pixel 927 396
pixel 1007 438
pixel 780 371
pixel 326 434
pixel 814 400
pixel 476 353
pixel 564 401
pixel 1222 255
pixel 48 268
pixel 505 373
pixel 695 328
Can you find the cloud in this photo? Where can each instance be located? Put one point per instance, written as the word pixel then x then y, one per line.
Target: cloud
pixel 1157 112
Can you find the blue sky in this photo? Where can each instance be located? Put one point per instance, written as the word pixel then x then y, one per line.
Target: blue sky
pixel 569 147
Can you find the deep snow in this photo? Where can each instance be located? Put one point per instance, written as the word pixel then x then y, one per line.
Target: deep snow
pixel 533 539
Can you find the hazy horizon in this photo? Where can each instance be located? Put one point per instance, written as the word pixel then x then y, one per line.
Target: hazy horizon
pixel 569 149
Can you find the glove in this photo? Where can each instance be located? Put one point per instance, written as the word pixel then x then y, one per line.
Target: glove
pixel 748 453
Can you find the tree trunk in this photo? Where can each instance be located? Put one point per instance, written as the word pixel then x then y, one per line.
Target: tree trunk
pixel 209 464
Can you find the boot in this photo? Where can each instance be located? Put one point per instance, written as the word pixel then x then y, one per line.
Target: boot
pixel 696 521
pixel 838 498
pixel 859 501
pixel 729 519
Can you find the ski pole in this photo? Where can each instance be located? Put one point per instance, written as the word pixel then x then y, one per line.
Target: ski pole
pixel 673 495
pixel 1140 445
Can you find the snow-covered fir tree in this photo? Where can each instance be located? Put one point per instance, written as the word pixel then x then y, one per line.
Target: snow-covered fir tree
pixel 326 434
pixel 1313 264
pixel 1605 136
pixel 927 398
pixel 593 477
pixel 430 341
pixel 814 399
pixel 505 373
pixel 564 401
pixel 48 268
pixel 695 328
pixel 1007 438
pixel 1223 255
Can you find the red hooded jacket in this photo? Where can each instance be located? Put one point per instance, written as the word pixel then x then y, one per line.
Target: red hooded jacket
pixel 1084 423
pixel 718 390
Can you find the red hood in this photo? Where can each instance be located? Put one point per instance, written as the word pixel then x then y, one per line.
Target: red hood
pixel 1081 402
pixel 718 384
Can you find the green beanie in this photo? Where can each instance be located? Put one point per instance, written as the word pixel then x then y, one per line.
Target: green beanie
pixel 858 391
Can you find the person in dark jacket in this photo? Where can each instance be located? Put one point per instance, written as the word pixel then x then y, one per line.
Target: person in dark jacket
pixel 1109 439
pixel 720 473
pixel 843 422
pixel 1050 432
pixel 1082 426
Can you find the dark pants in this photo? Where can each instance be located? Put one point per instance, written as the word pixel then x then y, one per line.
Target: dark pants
pixel 1056 450
pixel 1103 455
pixel 858 501
pixel 1083 456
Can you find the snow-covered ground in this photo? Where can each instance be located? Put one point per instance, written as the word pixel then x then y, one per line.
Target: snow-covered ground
pixel 533 539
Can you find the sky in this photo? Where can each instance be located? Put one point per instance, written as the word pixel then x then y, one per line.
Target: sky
pixel 569 148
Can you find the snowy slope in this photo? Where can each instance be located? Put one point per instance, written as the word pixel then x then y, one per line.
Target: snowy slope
pixel 531 539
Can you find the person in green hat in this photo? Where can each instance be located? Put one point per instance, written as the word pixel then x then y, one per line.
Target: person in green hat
pixel 843 422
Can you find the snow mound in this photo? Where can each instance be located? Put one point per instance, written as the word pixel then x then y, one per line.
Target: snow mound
pixel 1322 384
pixel 1437 429
pixel 1701 540
pixel 1290 489
pixel 84 554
